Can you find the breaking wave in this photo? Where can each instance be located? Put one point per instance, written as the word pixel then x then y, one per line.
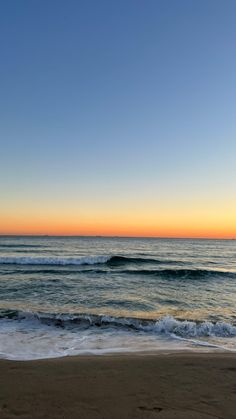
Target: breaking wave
pixel 128 264
pixel 83 260
pixel 167 325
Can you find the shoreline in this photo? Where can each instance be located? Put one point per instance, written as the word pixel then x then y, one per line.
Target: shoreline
pixel 179 384
pixel 127 354
pixel 165 352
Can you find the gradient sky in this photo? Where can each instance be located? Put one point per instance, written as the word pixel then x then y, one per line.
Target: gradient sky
pixel 118 117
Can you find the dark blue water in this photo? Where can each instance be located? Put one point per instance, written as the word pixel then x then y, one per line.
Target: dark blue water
pixel 61 296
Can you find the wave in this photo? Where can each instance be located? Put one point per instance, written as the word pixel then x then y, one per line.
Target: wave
pixel 164 326
pixel 118 262
pixel 180 273
pixel 83 260
pixel 12 246
pixel 121 260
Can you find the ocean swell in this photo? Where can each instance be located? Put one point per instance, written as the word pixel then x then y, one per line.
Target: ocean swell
pixel 113 261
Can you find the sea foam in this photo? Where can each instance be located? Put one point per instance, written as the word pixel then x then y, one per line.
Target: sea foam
pixel 167 325
pixel 83 260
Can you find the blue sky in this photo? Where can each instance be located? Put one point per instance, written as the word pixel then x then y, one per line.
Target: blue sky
pixel 117 103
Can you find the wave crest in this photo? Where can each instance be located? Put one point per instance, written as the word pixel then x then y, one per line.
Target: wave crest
pixel 83 260
pixel 116 261
pixel 167 325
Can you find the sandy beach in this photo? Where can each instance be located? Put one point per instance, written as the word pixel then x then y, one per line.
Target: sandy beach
pixel 178 385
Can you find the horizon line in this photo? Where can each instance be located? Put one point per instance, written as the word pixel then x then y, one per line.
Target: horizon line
pixel 116 236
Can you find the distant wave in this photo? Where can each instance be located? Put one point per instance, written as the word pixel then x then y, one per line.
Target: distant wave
pixel 12 246
pixel 83 260
pixel 167 325
pixel 119 262
pixel 180 273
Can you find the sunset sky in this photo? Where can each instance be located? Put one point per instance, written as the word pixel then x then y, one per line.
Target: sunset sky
pixel 118 117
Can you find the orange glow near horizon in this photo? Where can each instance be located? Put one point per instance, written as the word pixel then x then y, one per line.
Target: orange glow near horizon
pixel 151 225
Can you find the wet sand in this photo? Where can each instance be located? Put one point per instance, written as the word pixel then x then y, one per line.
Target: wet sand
pixel 179 385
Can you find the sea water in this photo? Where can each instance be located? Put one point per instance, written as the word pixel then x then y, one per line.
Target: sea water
pixel 81 295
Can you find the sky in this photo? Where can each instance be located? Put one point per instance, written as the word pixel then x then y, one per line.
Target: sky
pixel 117 117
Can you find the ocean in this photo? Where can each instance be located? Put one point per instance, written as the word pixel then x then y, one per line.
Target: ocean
pixel 64 296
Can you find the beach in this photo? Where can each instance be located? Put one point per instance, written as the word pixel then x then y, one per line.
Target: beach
pixel 159 385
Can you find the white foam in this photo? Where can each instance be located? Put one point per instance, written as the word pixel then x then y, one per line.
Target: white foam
pixel 27 337
pixel 192 329
pixel 166 325
pixel 83 260
pixel 20 343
